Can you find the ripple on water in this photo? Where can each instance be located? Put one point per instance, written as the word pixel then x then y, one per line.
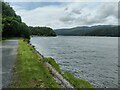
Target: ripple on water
pixel 94 59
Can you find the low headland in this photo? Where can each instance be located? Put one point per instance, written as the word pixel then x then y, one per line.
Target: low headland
pixel 30 70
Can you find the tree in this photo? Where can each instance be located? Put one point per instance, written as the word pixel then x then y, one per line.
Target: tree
pixel 13 26
pixel 42 31
pixel 12 23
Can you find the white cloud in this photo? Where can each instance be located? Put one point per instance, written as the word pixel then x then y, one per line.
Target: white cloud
pixel 70 14
pixel 61 0
pixel 42 16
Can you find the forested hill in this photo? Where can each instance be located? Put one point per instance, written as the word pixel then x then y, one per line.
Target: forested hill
pixel 42 31
pixel 12 25
pixel 99 30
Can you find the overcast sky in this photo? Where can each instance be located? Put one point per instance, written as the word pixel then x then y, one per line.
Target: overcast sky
pixel 67 14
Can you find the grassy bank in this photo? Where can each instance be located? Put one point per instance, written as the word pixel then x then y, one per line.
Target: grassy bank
pixel 53 63
pixel 76 82
pixel 29 71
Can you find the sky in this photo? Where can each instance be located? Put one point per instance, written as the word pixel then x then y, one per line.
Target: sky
pixel 67 14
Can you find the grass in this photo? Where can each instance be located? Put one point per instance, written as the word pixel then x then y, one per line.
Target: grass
pixel 53 63
pixel 29 70
pixel 78 83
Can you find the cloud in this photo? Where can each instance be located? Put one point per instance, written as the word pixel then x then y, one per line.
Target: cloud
pixel 107 9
pixel 67 19
pixel 119 10
pixel 70 14
pixel 76 11
pixel 93 13
pixel 61 0
pixel 33 5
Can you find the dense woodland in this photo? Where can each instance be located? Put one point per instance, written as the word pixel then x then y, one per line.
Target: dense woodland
pixel 12 25
pixel 99 30
pixel 42 31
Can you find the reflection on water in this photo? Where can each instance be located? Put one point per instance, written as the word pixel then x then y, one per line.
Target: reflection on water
pixel 91 58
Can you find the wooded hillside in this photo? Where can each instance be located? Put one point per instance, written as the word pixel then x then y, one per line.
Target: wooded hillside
pixel 99 30
pixel 12 25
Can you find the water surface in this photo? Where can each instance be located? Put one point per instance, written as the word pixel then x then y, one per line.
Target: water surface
pixel 94 59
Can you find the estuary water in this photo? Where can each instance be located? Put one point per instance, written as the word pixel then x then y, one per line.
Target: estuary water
pixel 94 59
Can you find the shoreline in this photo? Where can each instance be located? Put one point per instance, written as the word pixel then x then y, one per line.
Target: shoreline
pixel 33 70
pixel 62 74
pixel 56 74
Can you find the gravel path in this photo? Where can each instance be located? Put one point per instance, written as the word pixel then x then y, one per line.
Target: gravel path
pixel 9 53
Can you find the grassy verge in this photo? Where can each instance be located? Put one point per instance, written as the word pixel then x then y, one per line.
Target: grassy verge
pixel 29 70
pixel 53 63
pixel 77 83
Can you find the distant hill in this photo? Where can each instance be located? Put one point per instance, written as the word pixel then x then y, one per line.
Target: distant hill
pixel 99 30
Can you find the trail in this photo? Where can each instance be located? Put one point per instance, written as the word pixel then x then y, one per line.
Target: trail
pixel 9 54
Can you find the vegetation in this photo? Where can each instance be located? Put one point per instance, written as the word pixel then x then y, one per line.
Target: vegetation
pixel 53 63
pixel 77 83
pixel 29 71
pixel 13 26
pixel 100 30
pixel 42 31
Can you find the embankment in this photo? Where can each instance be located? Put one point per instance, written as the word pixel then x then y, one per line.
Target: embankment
pixel 32 70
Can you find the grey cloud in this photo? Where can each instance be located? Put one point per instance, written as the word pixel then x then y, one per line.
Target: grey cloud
pixel 108 9
pixel 119 10
pixel 67 19
pixel 71 15
pixel 76 11
pixel 88 21
pixel 66 9
pixel 100 15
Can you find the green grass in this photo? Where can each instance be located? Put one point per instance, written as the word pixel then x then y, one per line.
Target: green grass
pixel 29 70
pixel 53 63
pixel 78 83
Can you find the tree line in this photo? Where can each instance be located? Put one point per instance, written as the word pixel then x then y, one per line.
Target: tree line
pixel 12 25
pixel 42 31
pixel 98 30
